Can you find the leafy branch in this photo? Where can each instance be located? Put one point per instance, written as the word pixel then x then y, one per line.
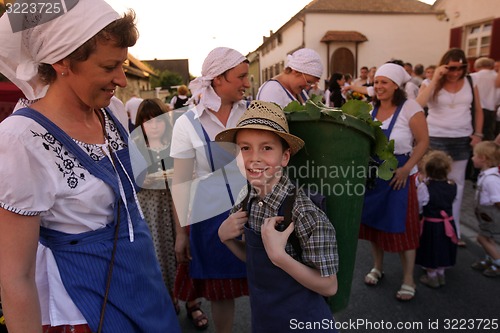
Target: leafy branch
pixel 383 148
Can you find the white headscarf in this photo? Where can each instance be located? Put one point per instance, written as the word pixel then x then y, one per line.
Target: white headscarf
pixel 217 62
pixel 306 61
pixel 21 52
pixel 394 72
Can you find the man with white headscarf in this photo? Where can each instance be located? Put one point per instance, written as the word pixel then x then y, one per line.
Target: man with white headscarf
pixel 302 71
pixel 218 275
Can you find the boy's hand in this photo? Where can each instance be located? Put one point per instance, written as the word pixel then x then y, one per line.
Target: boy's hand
pixel 275 241
pixel 233 226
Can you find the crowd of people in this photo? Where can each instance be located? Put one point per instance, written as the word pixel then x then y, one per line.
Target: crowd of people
pixel 93 205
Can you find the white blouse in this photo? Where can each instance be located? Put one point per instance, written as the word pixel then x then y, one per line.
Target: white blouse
pixel 187 143
pixel 449 115
pixel 38 176
pixel 401 133
pixel 488 191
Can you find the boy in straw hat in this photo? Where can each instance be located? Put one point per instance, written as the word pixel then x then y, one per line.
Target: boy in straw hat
pixel 286 287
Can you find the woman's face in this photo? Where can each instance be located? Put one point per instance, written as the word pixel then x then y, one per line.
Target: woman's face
pixel 341 81
pixel 384 88
pixel 93 81
pixel 302 82
pixel 232 85
pixel 455 71
pixel 155 128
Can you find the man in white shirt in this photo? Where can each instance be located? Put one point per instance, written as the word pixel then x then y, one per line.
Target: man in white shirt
pixel 132 106
pixel 363 77
pixel 485 78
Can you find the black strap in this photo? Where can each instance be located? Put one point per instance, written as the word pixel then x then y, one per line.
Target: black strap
pixel 245 202
pixel 473 105
pixel 115 240
pixel 110 272
pixel 286 210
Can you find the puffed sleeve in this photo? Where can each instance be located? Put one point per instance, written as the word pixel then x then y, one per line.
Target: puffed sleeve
pixel 27 187
pixel 182 144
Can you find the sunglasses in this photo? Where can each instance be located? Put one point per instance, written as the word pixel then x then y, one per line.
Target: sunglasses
pixel 456 68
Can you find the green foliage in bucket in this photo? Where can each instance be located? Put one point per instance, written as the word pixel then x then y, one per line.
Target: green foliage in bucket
pixel 383 148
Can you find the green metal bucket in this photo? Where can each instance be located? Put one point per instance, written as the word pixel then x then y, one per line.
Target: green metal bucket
pixel 334 162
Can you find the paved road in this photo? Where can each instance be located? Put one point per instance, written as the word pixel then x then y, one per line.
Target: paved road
pixel 467 298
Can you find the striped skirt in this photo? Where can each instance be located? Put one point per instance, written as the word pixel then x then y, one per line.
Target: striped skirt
pixel 188 289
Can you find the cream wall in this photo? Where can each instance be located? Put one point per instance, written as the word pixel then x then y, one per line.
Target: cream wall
pixel 465 12
pixel 291 40
pixel 412 38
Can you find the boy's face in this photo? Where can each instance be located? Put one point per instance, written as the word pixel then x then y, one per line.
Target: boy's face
pixel 479 161
pixel 262 158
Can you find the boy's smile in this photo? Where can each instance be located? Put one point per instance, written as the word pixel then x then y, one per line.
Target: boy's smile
pixel 262 158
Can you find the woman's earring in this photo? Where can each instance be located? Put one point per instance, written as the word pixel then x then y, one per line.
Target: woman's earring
pixel 62 73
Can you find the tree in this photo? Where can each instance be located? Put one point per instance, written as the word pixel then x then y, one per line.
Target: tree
pixel 166 80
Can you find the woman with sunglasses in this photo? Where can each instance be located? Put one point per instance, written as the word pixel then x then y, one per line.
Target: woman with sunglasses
pixel 302 71
pixel 454 124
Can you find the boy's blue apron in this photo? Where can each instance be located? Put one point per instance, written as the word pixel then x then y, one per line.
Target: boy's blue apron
pixel 385 208
pixel 211 258
pixel 138 299
pixel 277 300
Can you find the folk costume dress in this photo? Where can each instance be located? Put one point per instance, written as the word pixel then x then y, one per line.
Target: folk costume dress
pixel 157 206
pixel 82 192
pixel 217 273
pixel 390 217
pixel 438 240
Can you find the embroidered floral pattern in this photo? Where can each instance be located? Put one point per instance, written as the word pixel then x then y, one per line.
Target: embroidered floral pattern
pixel 67 164
pixel 72 170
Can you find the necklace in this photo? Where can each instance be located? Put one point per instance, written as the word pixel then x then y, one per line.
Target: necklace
pixel 453 93
pixel 452 99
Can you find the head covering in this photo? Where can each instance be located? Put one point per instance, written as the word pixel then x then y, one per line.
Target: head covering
pixel 394 72
pixel 306 61
pixel 48 42
pixel 265 116
pixel 217 62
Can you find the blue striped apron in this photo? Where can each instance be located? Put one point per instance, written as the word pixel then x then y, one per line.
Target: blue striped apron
pixel 138 299
pixel 211 259
pixel 384 208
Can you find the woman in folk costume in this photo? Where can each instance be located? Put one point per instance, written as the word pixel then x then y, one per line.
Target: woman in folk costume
pixel 390 211
pixel 209 175
pixel 75 252
pixel 302 71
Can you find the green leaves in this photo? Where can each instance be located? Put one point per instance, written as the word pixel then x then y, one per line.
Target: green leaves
pixel 310 111
pixel 382 148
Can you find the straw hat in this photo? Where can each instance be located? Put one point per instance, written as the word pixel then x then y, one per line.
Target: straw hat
pixel 265 116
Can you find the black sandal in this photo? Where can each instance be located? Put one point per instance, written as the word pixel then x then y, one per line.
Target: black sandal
pixel 197 320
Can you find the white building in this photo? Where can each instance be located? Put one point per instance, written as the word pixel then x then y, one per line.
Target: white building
pixel 355 33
